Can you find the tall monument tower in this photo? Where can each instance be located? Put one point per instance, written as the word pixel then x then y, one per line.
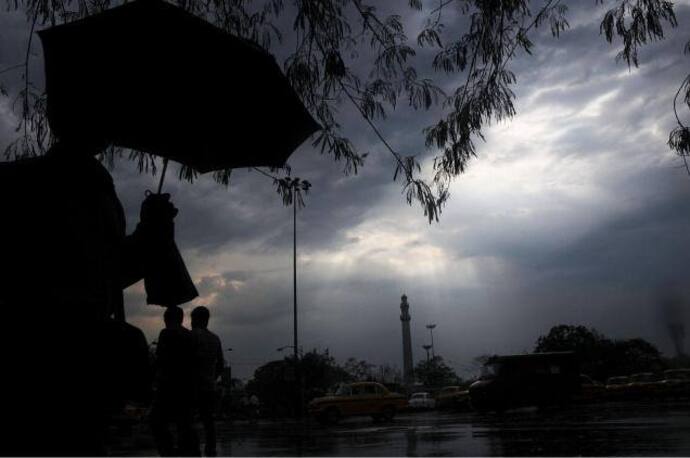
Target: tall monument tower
pixel 407 341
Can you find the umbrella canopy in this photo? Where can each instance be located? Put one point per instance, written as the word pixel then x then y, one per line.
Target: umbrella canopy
pixel 150 76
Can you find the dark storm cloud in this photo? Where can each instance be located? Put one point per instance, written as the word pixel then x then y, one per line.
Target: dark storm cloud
pixel 572 213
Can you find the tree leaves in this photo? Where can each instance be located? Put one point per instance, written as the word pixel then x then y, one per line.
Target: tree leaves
pixel 292 190
pixel 435 373
pixel 601 357
pixel 429 37
pixel 322 76
pixel 636 23
pixel 497 29
pixel 679 140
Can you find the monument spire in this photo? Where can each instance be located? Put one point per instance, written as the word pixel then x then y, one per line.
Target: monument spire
pixel 408 375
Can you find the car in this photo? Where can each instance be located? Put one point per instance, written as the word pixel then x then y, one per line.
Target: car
pixel 452 397
pixel 421 400
pixel 677 374
pixel 676 382
pixel 617 381
pixel 645 385
pixel 359 398
pixel 618 387
pixel 590 390
pixel 645 377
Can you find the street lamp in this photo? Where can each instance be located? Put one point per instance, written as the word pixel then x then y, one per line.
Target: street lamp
pixel 296 186
pixel 431 327
pixel 293 188
pixel 294 266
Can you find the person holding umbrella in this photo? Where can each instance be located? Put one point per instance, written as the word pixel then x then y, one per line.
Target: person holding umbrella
pixel 65 257
pixel 65 260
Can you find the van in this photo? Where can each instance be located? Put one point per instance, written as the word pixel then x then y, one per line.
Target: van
pixel 537 379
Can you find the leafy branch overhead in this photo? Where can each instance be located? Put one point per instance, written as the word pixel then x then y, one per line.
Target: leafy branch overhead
pixel 679 139
pixel 347 53
pixel 637 23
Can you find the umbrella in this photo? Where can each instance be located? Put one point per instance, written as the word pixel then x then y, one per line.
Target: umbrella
pixel 150 76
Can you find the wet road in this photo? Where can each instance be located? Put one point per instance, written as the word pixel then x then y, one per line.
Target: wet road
pixel 630 429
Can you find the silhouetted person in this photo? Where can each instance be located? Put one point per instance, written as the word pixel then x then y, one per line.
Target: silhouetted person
pixel 209 366
pixel 64 261
pixel 175 392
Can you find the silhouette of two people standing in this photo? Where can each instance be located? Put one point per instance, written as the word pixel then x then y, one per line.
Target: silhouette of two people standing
pixel 188 364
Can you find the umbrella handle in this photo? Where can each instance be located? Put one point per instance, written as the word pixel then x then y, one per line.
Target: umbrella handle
pixel 165 167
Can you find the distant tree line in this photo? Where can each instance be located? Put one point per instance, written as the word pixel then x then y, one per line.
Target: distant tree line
pixel 281 384
pixel 602 357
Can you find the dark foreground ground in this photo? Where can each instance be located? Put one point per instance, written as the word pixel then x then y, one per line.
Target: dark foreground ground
pixel 629 429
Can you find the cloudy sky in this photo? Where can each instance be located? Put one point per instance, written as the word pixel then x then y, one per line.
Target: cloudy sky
pixel 574 212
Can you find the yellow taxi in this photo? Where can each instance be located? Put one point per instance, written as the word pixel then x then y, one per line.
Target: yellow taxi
pixel 360 398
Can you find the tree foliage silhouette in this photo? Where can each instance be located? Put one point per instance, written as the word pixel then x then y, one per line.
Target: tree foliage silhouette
pixel 435 373
pixel 358 369
pixel 328 68
pixel 277 385
pixel 601 357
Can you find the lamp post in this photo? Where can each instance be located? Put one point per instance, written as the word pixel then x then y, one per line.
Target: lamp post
pixel 431 327
pixel 294 267
pixel 296 187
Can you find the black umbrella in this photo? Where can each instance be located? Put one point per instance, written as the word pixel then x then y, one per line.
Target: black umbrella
pixel 150 76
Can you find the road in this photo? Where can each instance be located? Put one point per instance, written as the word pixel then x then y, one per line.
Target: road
pixel 611 429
